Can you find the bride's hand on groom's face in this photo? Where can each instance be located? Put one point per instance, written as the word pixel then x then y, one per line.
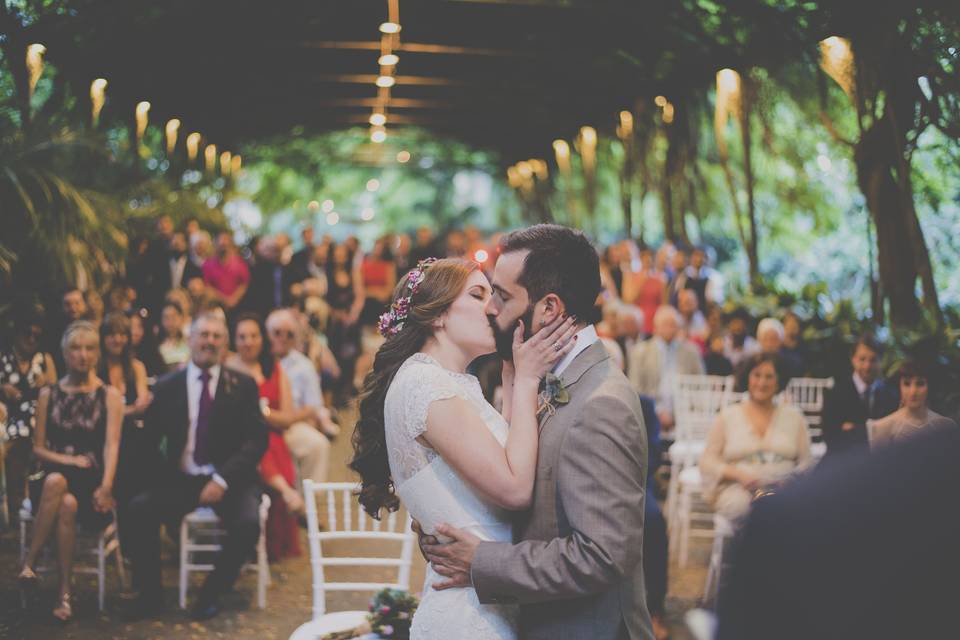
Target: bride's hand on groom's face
pixel 534 358
pixel 454 559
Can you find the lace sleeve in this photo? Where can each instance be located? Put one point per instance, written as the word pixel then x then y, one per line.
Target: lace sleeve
pixel 424 385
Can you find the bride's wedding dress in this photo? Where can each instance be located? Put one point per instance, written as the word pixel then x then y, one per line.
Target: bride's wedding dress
pixel 433 493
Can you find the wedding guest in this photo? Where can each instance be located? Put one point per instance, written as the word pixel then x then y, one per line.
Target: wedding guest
pixel 173 345
pixel 215 436
pixel 156 266
pixel 269 280
pixel 703 280
pixel 76 440
pixel 655 542
pixel 715 363
pixel 756 444
pixel 793 345
pixel 914 413
pixel 143 344
pixel 770 334
pixel 738 344
pixel 125 373
pixel 856 397
pixel 379 280
pixel 73 307
pixel 694 326
pixel 276 402
pixel 226 273
pixel 305 438
pixel 24 370
pixel 302 257
pixel 654 364
pixel 678 268
pixel 425 246
pixel 645 288
pixel 345 295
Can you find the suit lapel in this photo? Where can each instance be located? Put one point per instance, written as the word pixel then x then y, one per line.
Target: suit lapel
pixel 590 357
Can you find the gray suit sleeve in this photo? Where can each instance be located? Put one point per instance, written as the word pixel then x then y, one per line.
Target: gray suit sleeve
pixel 601 484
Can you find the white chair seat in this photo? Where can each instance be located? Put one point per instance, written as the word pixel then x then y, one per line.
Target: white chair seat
pixel 329 623
pixel 818 450
pixel 686 451
pixel 691 478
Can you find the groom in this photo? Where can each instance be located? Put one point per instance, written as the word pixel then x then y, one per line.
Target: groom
pixel 575 568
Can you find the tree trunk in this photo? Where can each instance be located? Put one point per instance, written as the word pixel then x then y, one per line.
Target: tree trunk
pixel 751 246
pixel 877 163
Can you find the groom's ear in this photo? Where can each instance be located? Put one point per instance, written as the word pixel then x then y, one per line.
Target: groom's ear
pixel 553 308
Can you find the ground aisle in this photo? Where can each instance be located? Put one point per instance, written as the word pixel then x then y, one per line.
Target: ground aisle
pixel 288 598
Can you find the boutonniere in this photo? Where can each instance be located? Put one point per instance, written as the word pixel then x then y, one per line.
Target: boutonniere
pixel 228 381
pixel 553 395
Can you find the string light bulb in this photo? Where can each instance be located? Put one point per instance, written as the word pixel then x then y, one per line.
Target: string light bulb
pixel 35 64
pixel 98 96
pixel 385 82
pixel 225 158
pixel 236 164
pixel 389 27
pixel 173 126
pixel 378 119
pixel 210 156
pixel 388 60
pixel 143 116
pixel 193 146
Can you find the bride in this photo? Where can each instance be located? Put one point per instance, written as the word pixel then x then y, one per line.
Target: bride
pixel 427 436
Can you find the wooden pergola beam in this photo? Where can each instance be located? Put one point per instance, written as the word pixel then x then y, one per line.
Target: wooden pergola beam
pixel 363 78
pixel 418 47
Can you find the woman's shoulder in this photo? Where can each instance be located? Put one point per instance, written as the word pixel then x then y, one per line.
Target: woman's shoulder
pixel 791 412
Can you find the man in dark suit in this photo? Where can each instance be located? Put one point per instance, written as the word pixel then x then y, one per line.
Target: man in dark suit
pixel 215 436
pixel 864 549
pixel 856 398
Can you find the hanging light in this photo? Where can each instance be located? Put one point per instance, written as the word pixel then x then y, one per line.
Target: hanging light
pixel 728 104
pixel 403 157
pixel 660 101
pixel 333 218
pixel 210 156
pixel 836 59
pixel 562 152
pixel 193 146
pixel 588 148
pixel 173 126
pixel 388 60
pixel 378 135
pixel 225 158
pixel 368 214
pixel 385 82
pixel 378 119
pixel 236 164
pixel 373 184
pixel 389 27
pixel 327 206
pixel 98 91
pixel 668 113
pixel 625 130
pixel 313 205
pixel 35 64
pixel 142 112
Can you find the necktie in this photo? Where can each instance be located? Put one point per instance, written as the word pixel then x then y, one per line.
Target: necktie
pixel 203 418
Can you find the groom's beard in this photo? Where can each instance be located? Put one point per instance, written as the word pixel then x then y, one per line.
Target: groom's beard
pixel 504 337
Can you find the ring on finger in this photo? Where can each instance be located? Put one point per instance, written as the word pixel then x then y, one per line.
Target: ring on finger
pixel 557 346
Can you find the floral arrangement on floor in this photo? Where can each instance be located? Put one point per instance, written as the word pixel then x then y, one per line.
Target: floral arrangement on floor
pixel 391 612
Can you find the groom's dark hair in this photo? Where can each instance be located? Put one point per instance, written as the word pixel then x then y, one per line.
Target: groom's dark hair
pixel 561 261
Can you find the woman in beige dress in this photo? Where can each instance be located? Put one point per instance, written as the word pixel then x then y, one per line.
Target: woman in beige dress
pixel 756 444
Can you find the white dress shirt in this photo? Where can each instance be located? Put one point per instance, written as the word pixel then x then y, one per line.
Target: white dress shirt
pixel 194 388
pixel 177 266
pixel 304 380
pixel 585 337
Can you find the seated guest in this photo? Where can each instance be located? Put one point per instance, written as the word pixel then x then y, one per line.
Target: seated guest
pixel 226 274
pixel 143 344
pixel 738 345
pixel 276 402
pixel 770 338
pixel 76 440
pixel 793 345
pixel 173 344
pixel 655 543
pixel 855 398
pixel 305 438
pixel 914 413
pixel 24 369
pixel 379 279
pixel 655 363
pixel 215 438
pixel 73 307
pixel 714 361
pixel 645 288
pixel 693 324
pixel 756 444
pixel 136 465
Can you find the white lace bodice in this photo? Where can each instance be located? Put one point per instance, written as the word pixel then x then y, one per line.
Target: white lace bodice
pixel 433 493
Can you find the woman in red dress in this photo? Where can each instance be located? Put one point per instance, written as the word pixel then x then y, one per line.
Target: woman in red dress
pixel 276 466
pixel 645 289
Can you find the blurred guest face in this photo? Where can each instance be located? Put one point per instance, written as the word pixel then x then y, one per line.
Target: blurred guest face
pixel 115 343
pixel 320 254
pixel 249 340
pixel 165 225
pixel 283 335
pixel 737 327
pixel 178 244
pixel 171 320
pixel 716 344
pixel 192 227
pixel 679 260
pixel 770 341
pixel 914 392
pixel 465 323
pixel 208 342
pixel 224 244
pixel 646 259
pixel 509 303
pixel 424 236
pixel 687 302
pixel 74 306
pixel 340 255
pixel 864 363
pixel 791 326
pixel 196 287
pixel 762 383
pixel 307 235
pixel 697 259
pixel 28 339
pixel 665 327
pixel 136 330
pixel 82 352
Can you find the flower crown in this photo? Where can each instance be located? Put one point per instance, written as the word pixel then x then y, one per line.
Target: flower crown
pixel 391 323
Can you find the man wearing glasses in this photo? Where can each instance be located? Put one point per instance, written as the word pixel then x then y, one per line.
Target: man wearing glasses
pixel 308 446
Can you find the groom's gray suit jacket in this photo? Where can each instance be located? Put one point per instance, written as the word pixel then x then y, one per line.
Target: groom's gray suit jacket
pixel 575 567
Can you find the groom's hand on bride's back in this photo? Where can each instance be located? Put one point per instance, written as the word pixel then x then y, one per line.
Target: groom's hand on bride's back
pixel 422 538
